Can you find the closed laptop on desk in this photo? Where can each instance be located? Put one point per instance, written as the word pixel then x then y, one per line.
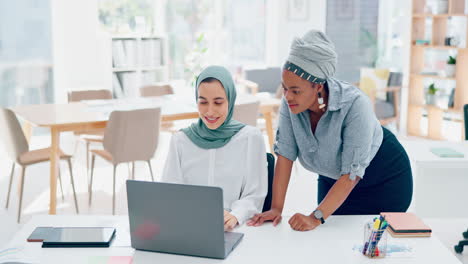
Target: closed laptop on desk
pixel 179 219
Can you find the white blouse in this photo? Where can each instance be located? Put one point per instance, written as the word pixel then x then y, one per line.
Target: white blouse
pixel 239 168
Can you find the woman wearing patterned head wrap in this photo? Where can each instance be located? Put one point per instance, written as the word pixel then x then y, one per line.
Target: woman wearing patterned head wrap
pixel 219 151
pixel 331 127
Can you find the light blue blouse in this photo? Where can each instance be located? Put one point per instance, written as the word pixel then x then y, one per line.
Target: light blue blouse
pixel 346 138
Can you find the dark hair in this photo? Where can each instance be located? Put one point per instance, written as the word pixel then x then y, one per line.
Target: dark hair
pixel 209 80
pixel 325 85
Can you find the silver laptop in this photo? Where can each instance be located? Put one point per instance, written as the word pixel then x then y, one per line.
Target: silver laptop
pixel 179 219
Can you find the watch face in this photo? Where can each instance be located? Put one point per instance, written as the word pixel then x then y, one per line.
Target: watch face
pixel 318 214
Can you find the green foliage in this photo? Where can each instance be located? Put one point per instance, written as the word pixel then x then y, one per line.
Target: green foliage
pixel 452 60
pixel 184 22
pixel 193 60
pixel 368 42
pixel 432 89
pixel 117 13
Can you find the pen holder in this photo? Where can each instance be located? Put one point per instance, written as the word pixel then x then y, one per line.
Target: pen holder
pixel 375 242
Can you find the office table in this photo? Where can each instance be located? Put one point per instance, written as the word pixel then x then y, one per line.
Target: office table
pixel 337 241
pixel 440 184
pixel 92 115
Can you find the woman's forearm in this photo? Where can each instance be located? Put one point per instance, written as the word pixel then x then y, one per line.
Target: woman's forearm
pixel 281 181
pixel 337 195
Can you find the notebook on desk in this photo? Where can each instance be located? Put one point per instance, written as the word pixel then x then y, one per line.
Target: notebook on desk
pixel 447 153
pixel 406 225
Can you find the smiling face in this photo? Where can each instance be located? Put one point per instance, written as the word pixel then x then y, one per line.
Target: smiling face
pixel 212 103
pixel 299 93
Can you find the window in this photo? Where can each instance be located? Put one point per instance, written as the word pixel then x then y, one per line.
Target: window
pixel 367 33
pixel 25 53
pixel 225 32
pixel 127 16
pixel 352 25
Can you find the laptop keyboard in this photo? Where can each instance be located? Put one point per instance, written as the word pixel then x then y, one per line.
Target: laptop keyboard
pixel 228 236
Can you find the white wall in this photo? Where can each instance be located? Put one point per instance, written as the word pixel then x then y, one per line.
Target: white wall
pixel 80 51
pixel 281 29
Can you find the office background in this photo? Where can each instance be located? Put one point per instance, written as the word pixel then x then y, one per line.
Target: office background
pixel 51 47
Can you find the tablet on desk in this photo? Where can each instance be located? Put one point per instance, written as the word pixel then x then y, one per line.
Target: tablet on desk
pixel 80 237
pixel 40 233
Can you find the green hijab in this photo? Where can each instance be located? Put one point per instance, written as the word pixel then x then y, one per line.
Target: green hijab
pixel 198 132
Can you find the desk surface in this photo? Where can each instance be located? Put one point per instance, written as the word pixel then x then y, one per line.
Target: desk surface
pixel 420 153
pixel 48 115
pixel 334 242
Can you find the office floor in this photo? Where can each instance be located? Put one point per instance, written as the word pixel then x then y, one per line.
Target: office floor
pixel 301 194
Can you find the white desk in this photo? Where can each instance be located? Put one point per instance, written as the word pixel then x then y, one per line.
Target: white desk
pixel 440 184
pixel 330 243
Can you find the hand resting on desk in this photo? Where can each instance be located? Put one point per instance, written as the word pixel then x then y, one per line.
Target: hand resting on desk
pixel 270 215
pixel 230 221
pixel 298 222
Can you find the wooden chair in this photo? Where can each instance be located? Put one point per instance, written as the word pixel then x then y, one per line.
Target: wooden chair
pixel 17 149
pixel 129 136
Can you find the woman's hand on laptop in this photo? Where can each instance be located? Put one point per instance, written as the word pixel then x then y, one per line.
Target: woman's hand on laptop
pixel 230 221
pixel 271 215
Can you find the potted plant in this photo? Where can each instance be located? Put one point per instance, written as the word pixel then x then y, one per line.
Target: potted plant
pixel 450 67
pixel 194 59
pixel 431 94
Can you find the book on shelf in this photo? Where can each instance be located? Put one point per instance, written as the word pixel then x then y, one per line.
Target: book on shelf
pixel 157 51
pixel 130 52
pixel 129 84
pixel 451 99
pixel 136 61
pixel 146 49
pixel 117 85
pixel 151 52
pixel 118 54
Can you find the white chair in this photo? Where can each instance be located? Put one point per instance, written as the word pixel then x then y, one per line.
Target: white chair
pixel 247 113
pixel 17 149
pixel 129 136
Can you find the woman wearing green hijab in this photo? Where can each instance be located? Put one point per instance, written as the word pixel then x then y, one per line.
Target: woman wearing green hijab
pixel 219 151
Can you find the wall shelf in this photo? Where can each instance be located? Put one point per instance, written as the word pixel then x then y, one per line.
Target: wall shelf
pixel 438 47
pixel 138 61
pixel 439 30
pixel 433 77
pixel 438 15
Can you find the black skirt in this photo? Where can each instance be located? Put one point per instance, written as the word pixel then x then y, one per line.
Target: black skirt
pixel 387 184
